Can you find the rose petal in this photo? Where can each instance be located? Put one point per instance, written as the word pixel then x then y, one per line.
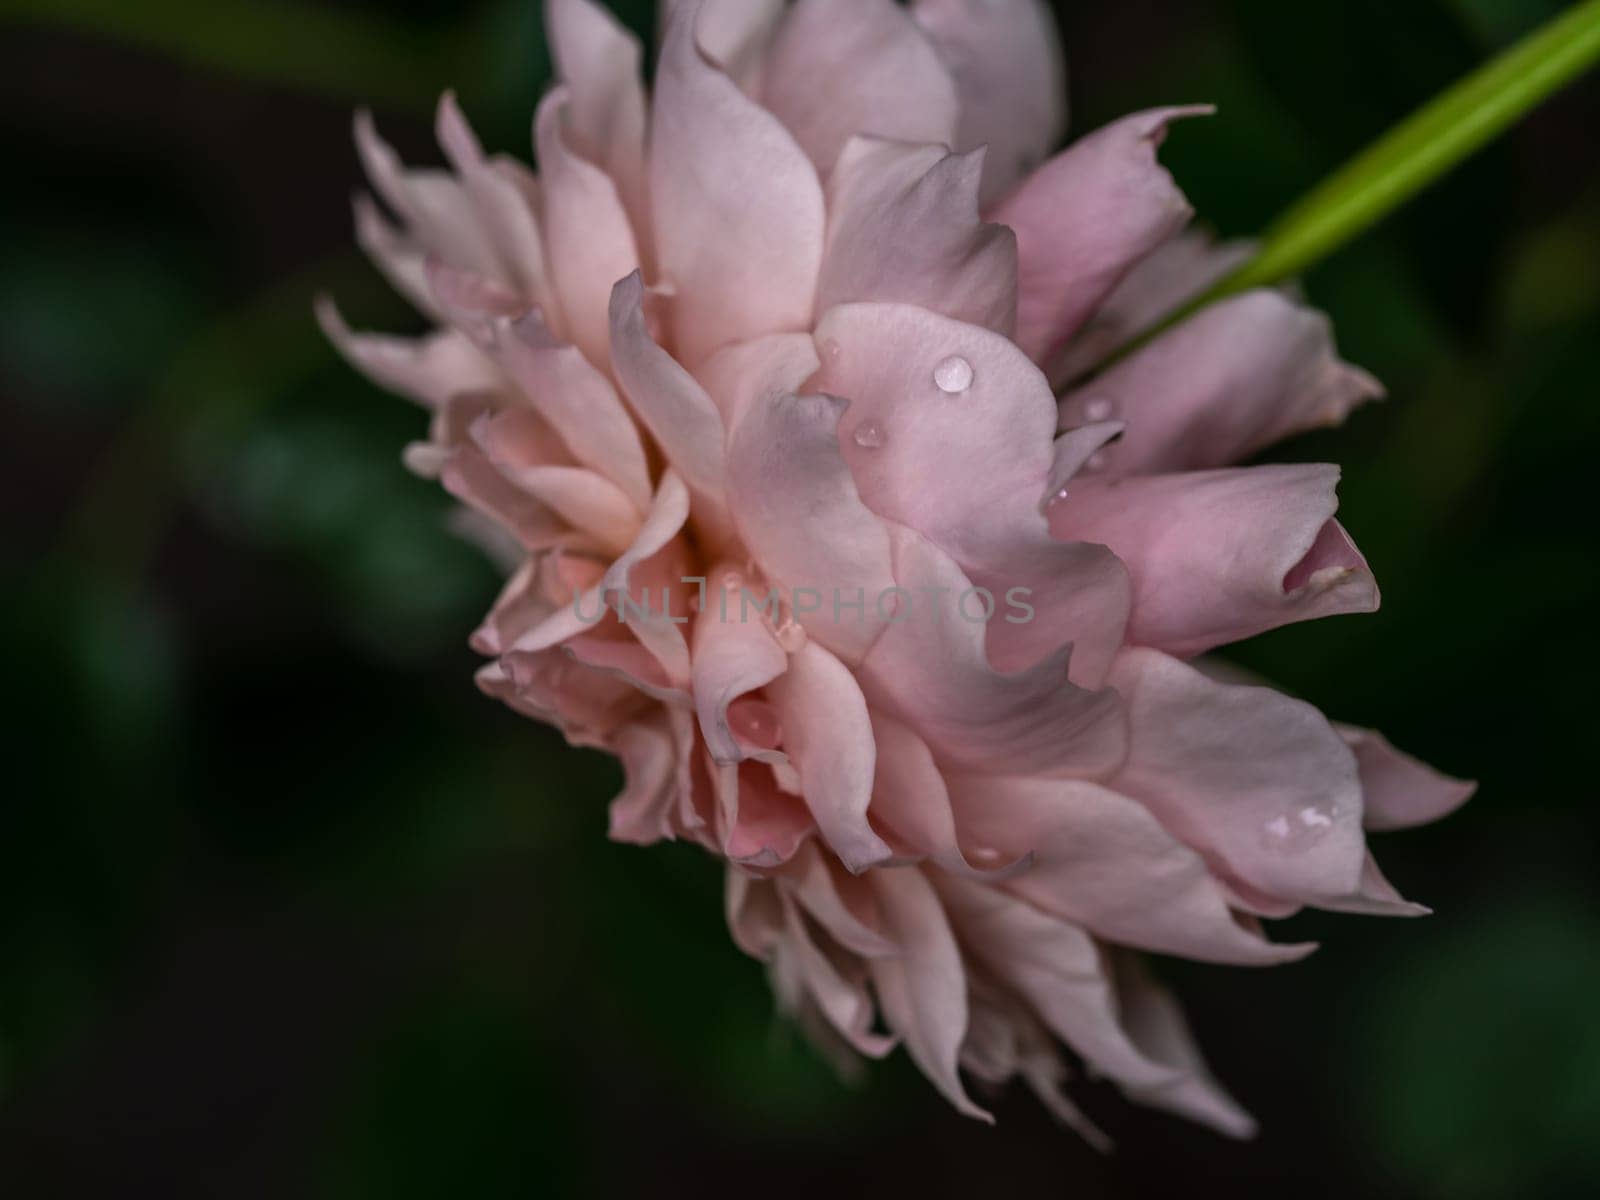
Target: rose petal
pixel 923 990
pixel 1232 379
pixel 828 736
pixel 739 212
pixel 587 235
pixel 1257 781
pixel 1005 57
pixel 1401 792
pixel 1217 556
pixel 1084 219
pixel 785 472
pixel 844 67
pixel 903 226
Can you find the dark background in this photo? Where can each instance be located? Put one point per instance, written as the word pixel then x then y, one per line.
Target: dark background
pixel 287 909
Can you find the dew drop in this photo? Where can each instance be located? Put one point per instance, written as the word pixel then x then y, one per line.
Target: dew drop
pixel 953 376
pixel 1296 832
pixel 1098 408
pixel 791 636
pixel 1061 495
pixel 869 435
pixel 755 723
pixel 1096 461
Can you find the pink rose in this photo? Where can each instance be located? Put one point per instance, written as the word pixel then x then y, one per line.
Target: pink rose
pixel 824 527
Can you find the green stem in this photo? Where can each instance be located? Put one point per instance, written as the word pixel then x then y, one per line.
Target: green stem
pixel 344 53
pixel 1415 153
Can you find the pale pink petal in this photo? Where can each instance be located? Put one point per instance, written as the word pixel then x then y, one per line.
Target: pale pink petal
pixel 1158 285
pixel 903 226
pixel 828 735
pixel 762 370
pixel 840 992
pixel 734 34
pixel 844 905
pixel 1217 556
pixel 587 236
pixel 430 369
pixel 762 826
pixel 843 67
pixel 400 258
pixel 672 405
pixel 1084 219
pixel 434 204
pixel 592 504
pixel 1054 966
pixel 785 473
pixel 642 814
pixel 934 400
pixel 739 213
pixel 579 403
pixel 502 195
pixel 1257 781
pixel 1230 380
pixel 1104 862
pixel 731 658
pixel 1005 57
pixel 1156 1024
pixel 1399 791
pixel 930 669
pixel 598 60
pixel 923 990
pixel 912 806
pixel 1375 896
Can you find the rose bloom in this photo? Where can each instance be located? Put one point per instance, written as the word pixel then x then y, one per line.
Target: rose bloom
pixel 779 390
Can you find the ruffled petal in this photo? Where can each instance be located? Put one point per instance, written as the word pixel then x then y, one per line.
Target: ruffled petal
pixel 1401 792
pixel 912 806
pixel 598 60
pixel 932 400
pixel 430 369
pixel 1101 860
pixel 923 990
pixel 828 735
pixel 931 670
pixel 587 235
pixel 1057 969
pixel 759 371
pixel 1259 783
pixel 1005 57
pixel 1156 1024
pixel 670 402
pixel 843 67
pixel 732 657
pixel 739 214
pixel 1217 556
pixel 1086 217
pixel 501 192
pixel 1229 381
pixel 903 226
pixel 785 473
pixel 569 392
pixel 734 34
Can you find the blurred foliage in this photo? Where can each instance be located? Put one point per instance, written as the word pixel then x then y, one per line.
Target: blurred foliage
pixel 291 910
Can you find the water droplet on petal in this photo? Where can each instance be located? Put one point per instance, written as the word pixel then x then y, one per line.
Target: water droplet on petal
pixel 869 435
pixel 1096 461
pixel 1298 831
pixel 755 723
pixel 791 636
pixel 1098 408
pixel 954 375
pixel 1061 494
